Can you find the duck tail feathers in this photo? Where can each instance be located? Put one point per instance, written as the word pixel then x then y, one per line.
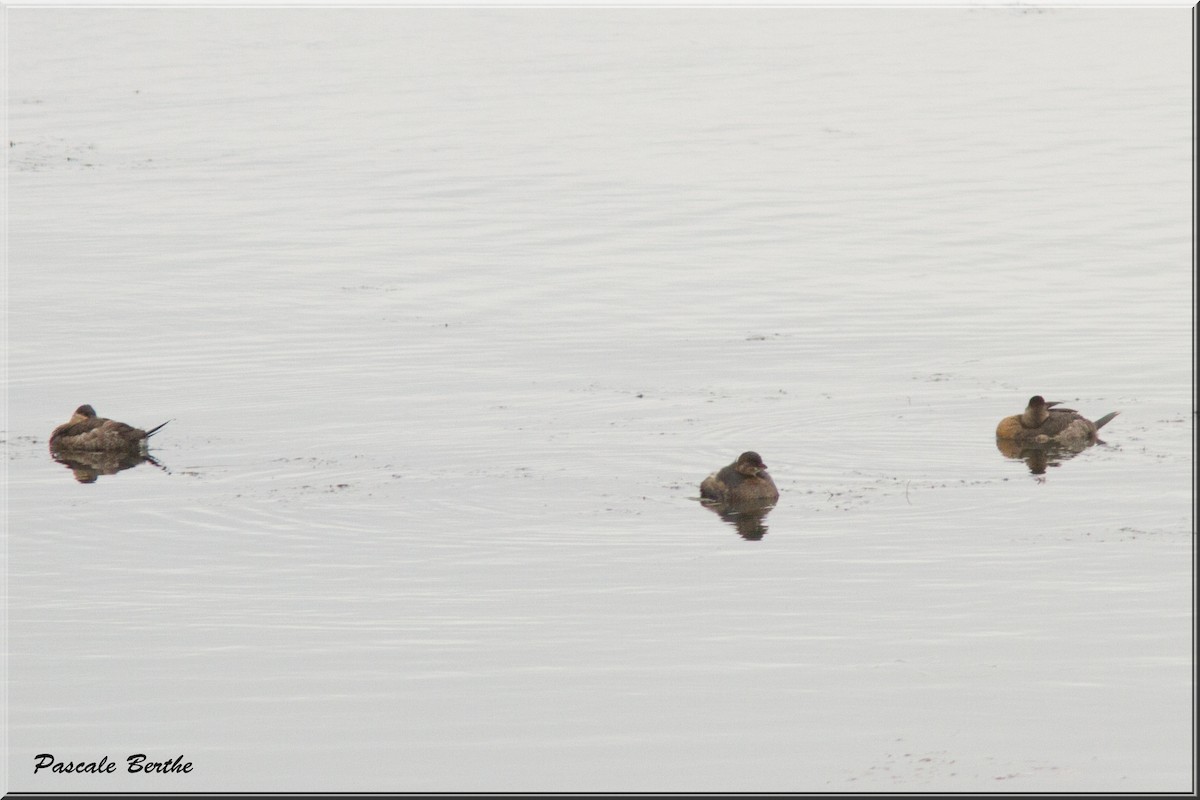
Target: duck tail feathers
pixel 157 428
pixel 1107 418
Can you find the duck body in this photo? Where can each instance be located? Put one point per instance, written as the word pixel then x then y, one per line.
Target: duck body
pixel 1042 423
pixel 744 481
pixel 86 432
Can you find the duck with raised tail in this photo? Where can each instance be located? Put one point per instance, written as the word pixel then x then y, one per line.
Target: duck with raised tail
pixel 1042 422
pixel 85 431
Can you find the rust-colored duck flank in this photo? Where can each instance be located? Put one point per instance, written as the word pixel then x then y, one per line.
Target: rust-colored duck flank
pixel 86 431
pixel 1041 422
pixel 745 480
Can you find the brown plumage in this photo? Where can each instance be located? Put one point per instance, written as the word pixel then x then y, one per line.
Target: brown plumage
pixel 744 481
pixel 86 431
pixel 1041 422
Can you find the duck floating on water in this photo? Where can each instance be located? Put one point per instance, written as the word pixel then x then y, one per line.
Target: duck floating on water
pixel 1042 423
pixel 85 431
pixel 744 481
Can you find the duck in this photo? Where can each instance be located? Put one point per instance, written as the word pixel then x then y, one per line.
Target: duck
pixel 1041 422
pixel 85 431
pixel 744 481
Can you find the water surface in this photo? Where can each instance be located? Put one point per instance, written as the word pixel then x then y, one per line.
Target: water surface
pixel 452 311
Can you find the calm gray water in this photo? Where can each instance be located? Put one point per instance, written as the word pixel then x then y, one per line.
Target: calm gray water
pixel 452 310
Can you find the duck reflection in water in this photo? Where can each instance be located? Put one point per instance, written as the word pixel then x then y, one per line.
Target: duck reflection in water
pixel 748 518
pixel 742 494
pixel 88 465
pixel 1040 456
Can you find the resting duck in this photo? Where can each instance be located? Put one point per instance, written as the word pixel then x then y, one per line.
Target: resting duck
pixel 85 431
pixel 744 481
pixel 1041 422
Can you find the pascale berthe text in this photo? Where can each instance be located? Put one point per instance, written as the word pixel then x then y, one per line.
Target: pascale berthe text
pixel 138 762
